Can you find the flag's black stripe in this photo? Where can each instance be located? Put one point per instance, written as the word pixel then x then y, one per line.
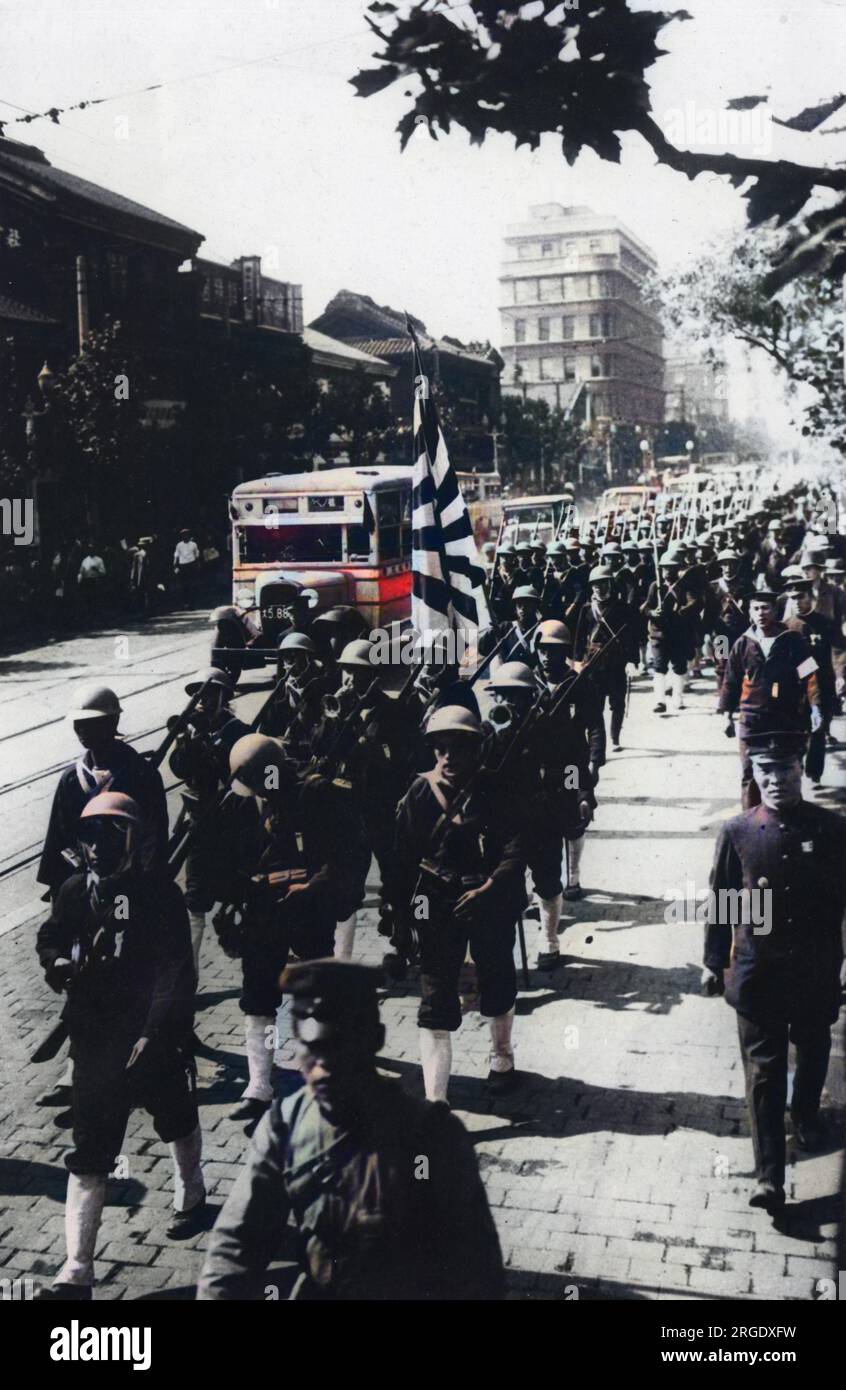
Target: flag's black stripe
pixel 462 564
pixel 433 592
pixel 458 530
pixel 465 604
pixel 448 489
pixel 424 492
pixel 427 538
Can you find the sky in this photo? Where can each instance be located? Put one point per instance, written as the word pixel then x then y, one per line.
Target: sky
pixel 258 141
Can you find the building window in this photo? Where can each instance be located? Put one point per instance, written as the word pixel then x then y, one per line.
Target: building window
pixel 519 330
pixel 550 288
pixel 567 328
pixel 595 244
pixel 543 330
pixel 595 328
pixel 526 291
pixel 596 366
pixel 550 369
pixel 547 248
pixel 610 364
pixel 609 325
pixel 569 369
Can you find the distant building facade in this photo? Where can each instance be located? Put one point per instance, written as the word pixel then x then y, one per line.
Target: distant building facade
pixel 466 375
pixel 576 330
pixel 695 391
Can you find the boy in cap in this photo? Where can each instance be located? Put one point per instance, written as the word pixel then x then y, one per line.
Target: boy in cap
pixel 384 1189
pixel 788 856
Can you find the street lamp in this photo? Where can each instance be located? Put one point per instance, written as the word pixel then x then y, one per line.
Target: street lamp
pixel 689 448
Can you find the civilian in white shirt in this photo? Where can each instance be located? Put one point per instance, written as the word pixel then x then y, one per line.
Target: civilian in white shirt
pixel 186 564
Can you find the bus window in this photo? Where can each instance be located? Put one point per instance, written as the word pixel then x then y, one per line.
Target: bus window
pixel 267 545
pixel 358 543
pixel 390 519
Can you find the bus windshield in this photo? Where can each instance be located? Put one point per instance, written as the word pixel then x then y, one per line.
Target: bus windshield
pixel 263 545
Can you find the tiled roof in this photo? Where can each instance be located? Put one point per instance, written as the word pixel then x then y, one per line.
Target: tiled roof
pixel 44 173
pixel 391 347
pixel 21 313
pixel 321 342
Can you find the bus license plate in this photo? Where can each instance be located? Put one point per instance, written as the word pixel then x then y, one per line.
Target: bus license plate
pixel 274 614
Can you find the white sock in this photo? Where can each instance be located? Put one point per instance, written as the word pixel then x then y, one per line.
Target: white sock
pixel 197 921
pixel 188 1186
pixel 259 1056
pixel 678 684
pixel 550 916
pixel 659 686
pixel 83 1212
pixel 436 1058
pixel 345 937
pixel 574 859
pixel 502 1053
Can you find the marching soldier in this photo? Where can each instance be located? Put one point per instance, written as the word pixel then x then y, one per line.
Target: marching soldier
pixel 606 625
pixel 784 980
pixel 458 879
pixel 503 582
pixel 568 785
pixel 107 764
pixel 669 610
pixel 771 683
pixel 731 617
pixel 526 606
pixel 298 706
pixel 343 1155
pixel 818 632
pixel 296 865
pixel 200 757
pixel 117 943
pixel 331 631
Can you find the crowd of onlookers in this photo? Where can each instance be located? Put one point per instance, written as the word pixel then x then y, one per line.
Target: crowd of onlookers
pixel 86 581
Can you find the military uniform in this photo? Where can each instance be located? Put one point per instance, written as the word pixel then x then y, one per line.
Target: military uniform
pixel 372 1224
pixel 784 983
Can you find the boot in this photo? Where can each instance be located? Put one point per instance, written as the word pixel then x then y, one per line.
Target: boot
pixel 550 915
pixel 197 921
pixel 436 1058
pixel 573 891
pixel 659 690
pixel 345 937
pixel 678 685
pixel 259 1092
pixel 502 1075
pixel 84 1202
pixel 189 1189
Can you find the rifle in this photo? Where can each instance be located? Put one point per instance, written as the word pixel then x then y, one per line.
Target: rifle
pixel 158 755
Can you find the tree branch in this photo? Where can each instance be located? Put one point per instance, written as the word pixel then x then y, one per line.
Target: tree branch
pixel 693 162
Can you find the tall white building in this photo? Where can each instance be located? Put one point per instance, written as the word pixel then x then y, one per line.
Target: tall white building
pixel 576 331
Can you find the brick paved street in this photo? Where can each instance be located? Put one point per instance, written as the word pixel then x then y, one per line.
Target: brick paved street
pixel 622 1165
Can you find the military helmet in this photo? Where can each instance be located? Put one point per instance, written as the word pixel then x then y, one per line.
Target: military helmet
pixel 224 612
pixel 357 655
pixel 573 543
pixel 611 548
pixel 93 702
pixel 297 642
pixel 506 548
pixel 524 548
pixel 792 572
pixel 599 573
pixel 552 633
pixel 557 548
pixel 212 675
pixel 726 557
pixel 114 805
pixel 252 758
pixel 512 675
pixel 670 557
pixel 453 719
pixel 525 593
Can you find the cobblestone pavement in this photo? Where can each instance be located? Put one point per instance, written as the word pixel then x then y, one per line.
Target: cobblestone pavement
pixel 622 1165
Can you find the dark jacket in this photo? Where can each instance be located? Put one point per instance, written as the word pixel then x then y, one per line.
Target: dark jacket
pixel 795 862
pixel 369 1227
pixel 130 773
pixel 768 691
pixel 139 976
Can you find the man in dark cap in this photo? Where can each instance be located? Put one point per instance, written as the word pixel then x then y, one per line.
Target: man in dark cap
pixel 771 681
pixel 819 631
pixel 384 1189
pixel 783 949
